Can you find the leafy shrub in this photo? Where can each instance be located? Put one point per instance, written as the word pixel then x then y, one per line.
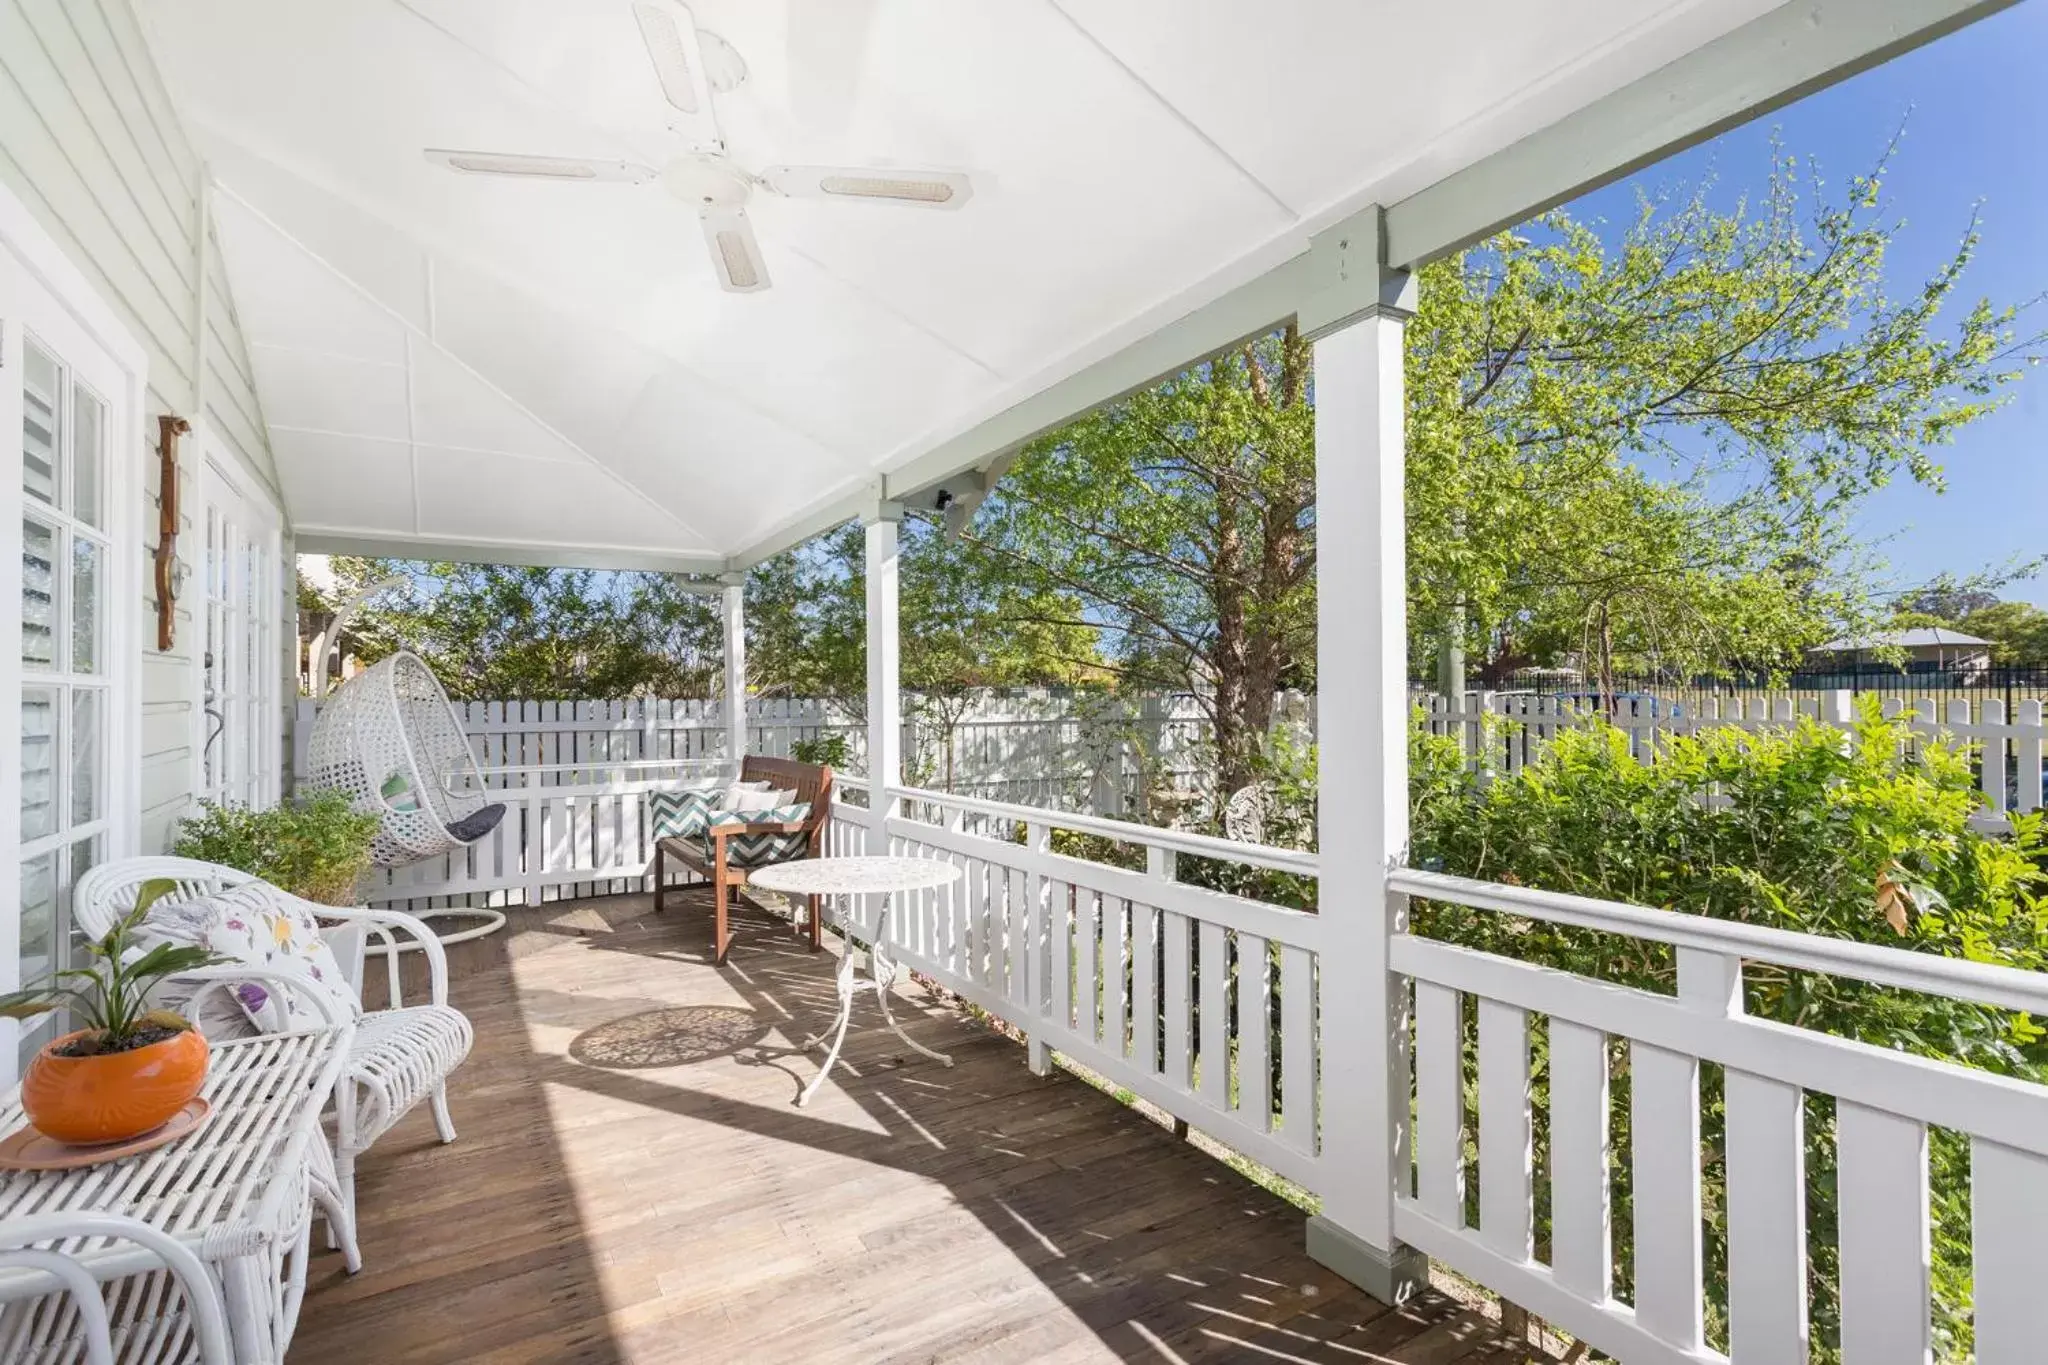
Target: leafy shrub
pixel 830 750
pixel 315 847
pixel 1865 836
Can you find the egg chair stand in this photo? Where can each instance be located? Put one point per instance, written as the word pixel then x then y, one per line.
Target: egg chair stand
pixel 391 740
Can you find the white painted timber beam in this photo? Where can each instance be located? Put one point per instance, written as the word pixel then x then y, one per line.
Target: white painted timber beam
pixel 318 540
pixel 1789 53
pixel 735 623
pixel 885 677
pixel 1362 800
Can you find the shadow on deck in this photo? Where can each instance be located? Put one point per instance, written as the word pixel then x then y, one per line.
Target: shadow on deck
pixel 633 1183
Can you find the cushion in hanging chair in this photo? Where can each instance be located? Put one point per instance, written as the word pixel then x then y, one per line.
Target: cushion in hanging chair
pixel 477 824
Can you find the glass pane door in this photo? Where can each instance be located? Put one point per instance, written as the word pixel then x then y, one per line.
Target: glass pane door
pixel 240 757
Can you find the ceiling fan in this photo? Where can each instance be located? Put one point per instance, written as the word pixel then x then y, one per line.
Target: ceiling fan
pixel 691 66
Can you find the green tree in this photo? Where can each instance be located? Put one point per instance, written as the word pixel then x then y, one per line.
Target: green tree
pixel 1749 358
pixel 2018 631
pixel 1647 452
pixel 1183 518
pixel 521 633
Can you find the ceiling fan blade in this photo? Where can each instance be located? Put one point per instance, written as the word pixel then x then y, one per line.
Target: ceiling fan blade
pixel 735 253
pixel 521 166
pixel 876 184
pixel 670 33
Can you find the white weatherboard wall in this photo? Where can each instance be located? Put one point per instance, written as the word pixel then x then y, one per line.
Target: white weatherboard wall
pixel 89 142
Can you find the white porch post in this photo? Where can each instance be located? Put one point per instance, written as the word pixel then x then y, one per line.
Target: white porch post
pixel 735 667
pixel 885 698
pixel 1361 654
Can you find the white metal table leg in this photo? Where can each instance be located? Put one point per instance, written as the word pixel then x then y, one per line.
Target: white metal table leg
pixel 883 972
pixel 846 992
pixel 883 969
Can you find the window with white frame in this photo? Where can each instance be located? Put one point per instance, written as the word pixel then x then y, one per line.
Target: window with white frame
pixel 64 699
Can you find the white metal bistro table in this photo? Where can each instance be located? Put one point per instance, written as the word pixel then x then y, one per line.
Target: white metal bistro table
pixel 237 1192
pixel 868 876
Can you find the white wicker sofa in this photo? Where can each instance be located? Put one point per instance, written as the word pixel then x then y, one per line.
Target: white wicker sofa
pixel 400 1056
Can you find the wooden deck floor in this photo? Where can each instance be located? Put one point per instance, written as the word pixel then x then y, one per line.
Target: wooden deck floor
pixel 632 1183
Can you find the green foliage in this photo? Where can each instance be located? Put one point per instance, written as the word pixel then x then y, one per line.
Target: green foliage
pixel 111 996
pixel 520 633
pixel 1649 450
pixel 828 750
pixel 516 633
pixel 1182 517
pixel 1867 838
pixel 2018 631
pixel 316 847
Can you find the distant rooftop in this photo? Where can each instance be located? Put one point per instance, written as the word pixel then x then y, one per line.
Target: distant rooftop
pixel 1918 637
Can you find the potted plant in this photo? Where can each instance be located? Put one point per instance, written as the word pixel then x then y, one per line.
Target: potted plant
pixel 316 848
pixel 131 1068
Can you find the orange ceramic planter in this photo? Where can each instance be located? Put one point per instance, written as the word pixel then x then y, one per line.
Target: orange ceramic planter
pixel 114 1096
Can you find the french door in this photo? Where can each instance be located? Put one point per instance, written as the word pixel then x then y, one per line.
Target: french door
pixel 241 721
pixel 67 647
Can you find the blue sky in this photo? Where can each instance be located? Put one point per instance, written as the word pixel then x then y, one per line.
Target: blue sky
pixel 1976 115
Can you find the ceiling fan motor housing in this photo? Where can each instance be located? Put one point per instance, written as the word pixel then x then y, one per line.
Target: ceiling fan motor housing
pixel 708 182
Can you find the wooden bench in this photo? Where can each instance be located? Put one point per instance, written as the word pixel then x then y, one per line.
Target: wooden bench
pixel 710 857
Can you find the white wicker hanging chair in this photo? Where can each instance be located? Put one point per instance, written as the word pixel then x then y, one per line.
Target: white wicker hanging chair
pixel 391 740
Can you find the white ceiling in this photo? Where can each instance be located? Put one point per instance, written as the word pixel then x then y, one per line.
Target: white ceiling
pixel 535 365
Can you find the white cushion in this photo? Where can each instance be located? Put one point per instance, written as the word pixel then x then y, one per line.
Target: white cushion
pixel 751 799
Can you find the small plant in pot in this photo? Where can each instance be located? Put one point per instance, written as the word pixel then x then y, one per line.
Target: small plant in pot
pixel 131 1068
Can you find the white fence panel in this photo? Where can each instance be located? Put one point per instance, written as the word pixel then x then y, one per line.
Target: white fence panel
pixel 1501 734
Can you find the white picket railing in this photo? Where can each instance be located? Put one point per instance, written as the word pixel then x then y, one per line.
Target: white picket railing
pixel 1885 1102
pixel 1200 1003
pixel 1503 733
pixel 576 831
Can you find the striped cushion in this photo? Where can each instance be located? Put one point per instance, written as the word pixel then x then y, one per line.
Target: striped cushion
pixel 683 812
pixel 758 850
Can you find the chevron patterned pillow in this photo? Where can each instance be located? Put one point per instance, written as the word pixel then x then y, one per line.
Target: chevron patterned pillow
pixel 683 812
pixel 757 850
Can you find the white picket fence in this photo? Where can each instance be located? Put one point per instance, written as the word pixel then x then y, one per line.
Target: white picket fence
pixel 1502 733
pixel 575 775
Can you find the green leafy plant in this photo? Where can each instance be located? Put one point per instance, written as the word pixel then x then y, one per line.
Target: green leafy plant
pixel 830 750
pixel 111 996
pixel 315 847
pixel 1864 836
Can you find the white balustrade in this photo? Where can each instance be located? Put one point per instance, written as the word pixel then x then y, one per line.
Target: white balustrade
pixel 1884 1103
pixel 1188 998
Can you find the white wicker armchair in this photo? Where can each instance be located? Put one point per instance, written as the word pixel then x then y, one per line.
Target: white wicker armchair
pixel 400 1055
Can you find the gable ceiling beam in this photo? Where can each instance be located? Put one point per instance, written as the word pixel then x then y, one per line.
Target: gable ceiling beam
pixel 317 540
pixel 1783 56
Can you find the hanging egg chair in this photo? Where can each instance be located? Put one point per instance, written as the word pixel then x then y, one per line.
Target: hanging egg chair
pixel 390 739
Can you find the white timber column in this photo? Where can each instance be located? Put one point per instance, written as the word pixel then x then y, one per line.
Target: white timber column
pixel 735 620
pixel 885 696
pixel 1357 318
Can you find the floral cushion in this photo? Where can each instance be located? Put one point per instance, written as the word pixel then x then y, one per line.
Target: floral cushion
pixel 758 850
pixel 258 925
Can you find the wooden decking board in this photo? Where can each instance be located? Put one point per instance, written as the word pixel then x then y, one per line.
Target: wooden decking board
pixel 596 1212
